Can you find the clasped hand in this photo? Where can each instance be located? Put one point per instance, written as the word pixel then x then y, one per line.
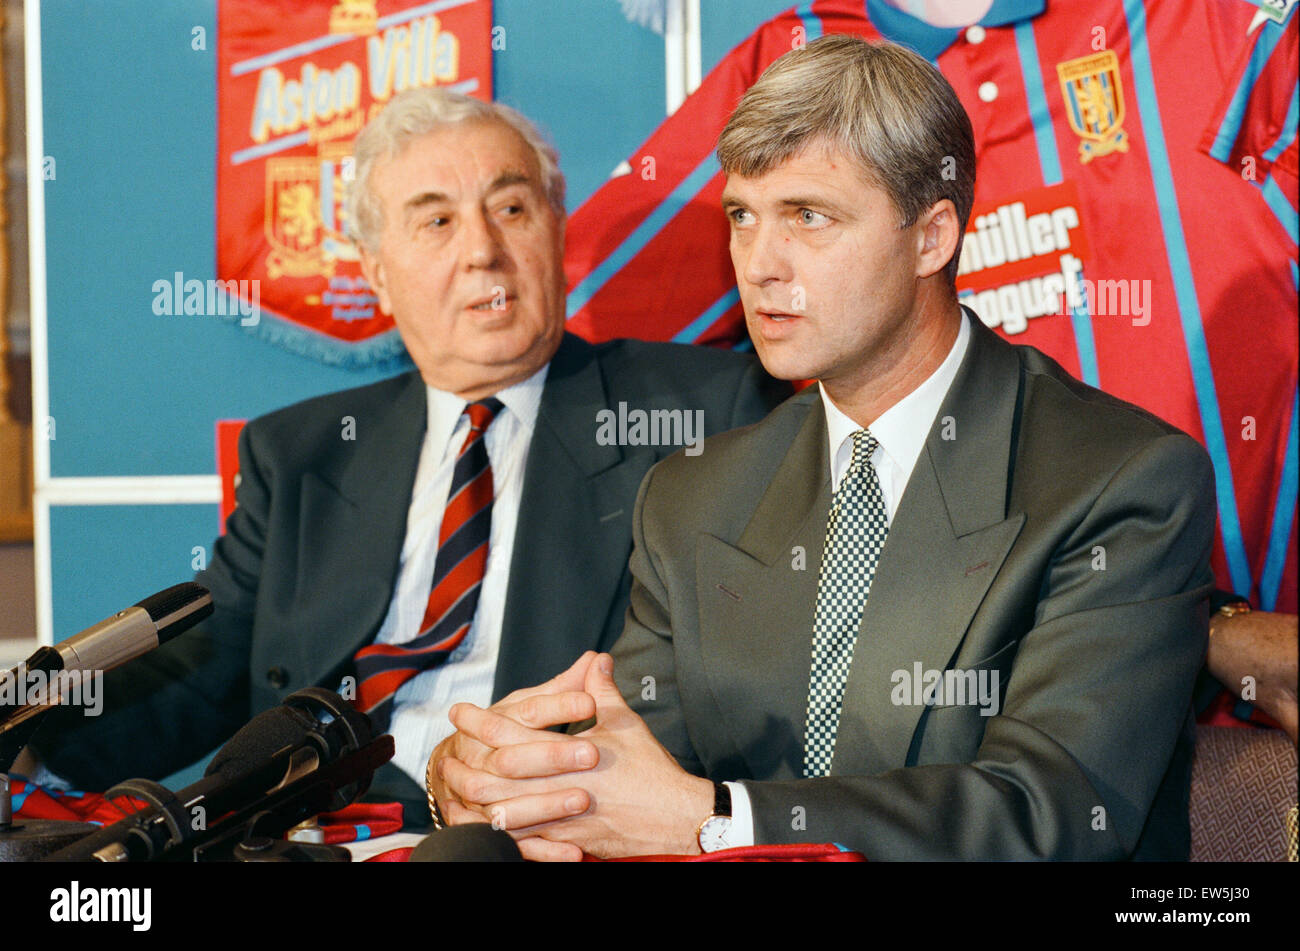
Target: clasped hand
pixel 612 790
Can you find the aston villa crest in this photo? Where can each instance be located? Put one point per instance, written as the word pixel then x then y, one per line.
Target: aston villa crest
pixel 304 212
pixel 1094 103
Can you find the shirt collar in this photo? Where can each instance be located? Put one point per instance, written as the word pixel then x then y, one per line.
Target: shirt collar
pixel 900 27
pixel 521 399
pixel 902 429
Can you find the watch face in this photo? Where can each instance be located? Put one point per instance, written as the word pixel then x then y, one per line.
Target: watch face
pixel 714 833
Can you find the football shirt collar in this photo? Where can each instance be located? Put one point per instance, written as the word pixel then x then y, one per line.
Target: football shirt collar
pixel 930 41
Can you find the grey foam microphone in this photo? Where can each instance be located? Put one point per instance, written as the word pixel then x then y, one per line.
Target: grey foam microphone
pixel 478 842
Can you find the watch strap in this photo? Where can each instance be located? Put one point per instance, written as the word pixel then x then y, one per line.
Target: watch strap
pixel 1221 599
pixel 721 800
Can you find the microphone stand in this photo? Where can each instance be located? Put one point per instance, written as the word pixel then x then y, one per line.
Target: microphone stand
pixel 30 839
pixel 330 765
pixel 114 641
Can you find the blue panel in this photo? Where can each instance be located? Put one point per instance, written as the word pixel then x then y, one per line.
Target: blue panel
pixel 132 202
pixel 107 557
pixel 591 79
pixel 189 775
pixel 724 24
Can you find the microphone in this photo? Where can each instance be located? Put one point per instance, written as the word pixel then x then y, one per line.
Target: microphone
pixel 477 842
pixel 30 689
pixel 314 753
pixel 313 719
pixel 137 630
pixel 110 643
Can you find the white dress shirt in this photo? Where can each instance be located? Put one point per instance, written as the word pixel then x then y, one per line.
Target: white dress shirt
pixel 901 432
pixel 420 706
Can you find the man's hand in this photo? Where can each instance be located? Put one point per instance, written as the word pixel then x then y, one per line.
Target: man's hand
pixel 635 801
pixel 1260 645
pixel 519 721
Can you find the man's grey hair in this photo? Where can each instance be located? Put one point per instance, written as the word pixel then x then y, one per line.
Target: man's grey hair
pixel 414 113
pixel 878 102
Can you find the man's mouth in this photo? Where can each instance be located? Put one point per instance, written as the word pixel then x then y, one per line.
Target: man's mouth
pixel 493 302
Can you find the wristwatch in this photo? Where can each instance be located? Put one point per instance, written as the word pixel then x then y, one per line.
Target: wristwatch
pixel 1226 604
pixel 715 831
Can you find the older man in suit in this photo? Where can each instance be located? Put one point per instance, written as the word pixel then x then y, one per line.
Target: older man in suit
pixel 450 534
pixel 949 603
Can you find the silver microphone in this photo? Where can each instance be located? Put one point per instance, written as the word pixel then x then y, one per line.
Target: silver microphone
pixel 110 643
pixel 136 630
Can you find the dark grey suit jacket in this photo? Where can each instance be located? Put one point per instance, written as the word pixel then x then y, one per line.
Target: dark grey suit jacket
pixel 305 573
pixel 993 562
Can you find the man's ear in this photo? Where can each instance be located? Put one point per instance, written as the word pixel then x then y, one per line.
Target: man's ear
pixel 373 270
pixel 939 233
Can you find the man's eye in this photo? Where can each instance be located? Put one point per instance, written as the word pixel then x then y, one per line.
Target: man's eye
pixel 814 218
pixel 740 216
pixel 436 222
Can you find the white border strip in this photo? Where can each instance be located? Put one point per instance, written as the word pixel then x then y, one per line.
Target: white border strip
pixel 39 340
pixel 674 48
pixel 14 650
pixel 134 490
pixel 682 65
pixel 694 61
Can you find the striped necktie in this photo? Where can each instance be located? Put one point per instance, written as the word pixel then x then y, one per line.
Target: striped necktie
pixel 457 577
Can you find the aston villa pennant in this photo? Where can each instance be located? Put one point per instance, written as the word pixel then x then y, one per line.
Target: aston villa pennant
pixel 296 81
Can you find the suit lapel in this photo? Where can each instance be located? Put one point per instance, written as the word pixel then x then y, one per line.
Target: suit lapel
pixel 574 489
pixel 927 587
pixel 946 543
pixel 756 602
pixel 360 493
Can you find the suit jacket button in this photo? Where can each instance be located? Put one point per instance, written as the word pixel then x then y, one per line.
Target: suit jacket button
pixel 278 677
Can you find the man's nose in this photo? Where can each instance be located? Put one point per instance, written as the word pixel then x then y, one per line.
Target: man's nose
pixel 480 242
pixel 766 256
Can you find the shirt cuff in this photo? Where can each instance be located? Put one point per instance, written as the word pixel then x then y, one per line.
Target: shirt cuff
pixel 742 817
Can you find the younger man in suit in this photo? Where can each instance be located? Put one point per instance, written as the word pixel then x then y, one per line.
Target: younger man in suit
pixel 950 603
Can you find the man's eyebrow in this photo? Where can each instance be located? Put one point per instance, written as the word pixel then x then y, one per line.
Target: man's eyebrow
pixel 415 203
pixel 731 202
pixel 508 178
pixel 809 201
pixel 504 180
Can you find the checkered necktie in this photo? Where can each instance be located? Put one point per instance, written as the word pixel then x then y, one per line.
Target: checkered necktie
pixel 855 533
pixel 457 577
